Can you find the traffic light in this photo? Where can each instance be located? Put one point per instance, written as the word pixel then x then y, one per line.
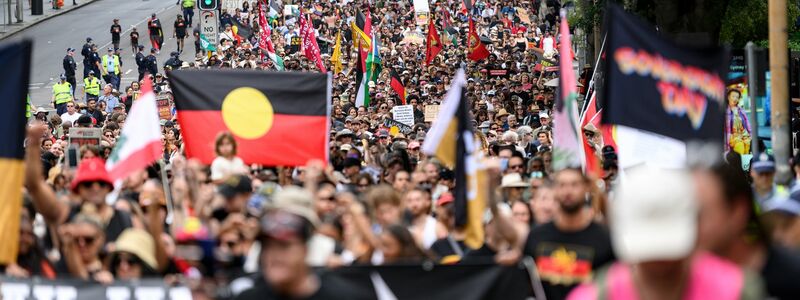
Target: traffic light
pixel 209 4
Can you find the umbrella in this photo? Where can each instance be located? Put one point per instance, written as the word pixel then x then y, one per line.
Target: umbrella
pixel 554 83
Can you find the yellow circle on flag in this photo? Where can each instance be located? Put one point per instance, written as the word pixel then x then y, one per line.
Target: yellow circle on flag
pixel 394 130
pixel 247 113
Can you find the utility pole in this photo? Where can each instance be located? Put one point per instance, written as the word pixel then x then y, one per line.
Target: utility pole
pixel 779 71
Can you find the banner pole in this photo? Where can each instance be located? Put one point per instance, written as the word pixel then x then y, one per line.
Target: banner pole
pixel 167 193
pixel 752 90
pixel 590 88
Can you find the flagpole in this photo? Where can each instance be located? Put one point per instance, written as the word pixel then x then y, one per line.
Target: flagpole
pixel 167 193
pixel 591 88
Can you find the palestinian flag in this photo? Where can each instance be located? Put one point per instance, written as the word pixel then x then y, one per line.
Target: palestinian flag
pixel 277 119
pixel 397 85
pixel 362 83
pixel 14 86
pixel 452 141
pixel 567 152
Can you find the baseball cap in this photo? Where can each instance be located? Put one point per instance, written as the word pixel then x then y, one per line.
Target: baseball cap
pixel 236 184
pixel 110 49
pixel 297 201
pixel 88 39
pixel 63 77
pixel 764 163
pixel 654 215
pixel 789 205
pixel 70 49
pixel 543 115
pixel 91 170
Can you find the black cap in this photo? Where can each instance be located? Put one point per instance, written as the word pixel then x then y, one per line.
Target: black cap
pixel 88 39
pixel 153 50
pixel 234 185
pixel 84 120
pixel 141 47
pixel 351 162
pixel 169 123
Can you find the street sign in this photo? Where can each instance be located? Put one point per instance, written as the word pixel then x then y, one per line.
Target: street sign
pixel 209 25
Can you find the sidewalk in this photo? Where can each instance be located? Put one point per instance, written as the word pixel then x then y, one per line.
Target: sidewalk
pixel 28 19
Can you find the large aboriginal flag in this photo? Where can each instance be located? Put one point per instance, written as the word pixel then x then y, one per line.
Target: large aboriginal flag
pixel 278 119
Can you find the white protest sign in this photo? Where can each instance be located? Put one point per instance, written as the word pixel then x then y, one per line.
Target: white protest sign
pixel 404 114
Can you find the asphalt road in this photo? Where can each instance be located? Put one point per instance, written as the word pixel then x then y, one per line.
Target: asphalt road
pixel 52 37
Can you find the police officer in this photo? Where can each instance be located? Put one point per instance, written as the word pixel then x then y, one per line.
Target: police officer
pixel 174 61
pixel 95 57
pixel 62 94
pixel 152 62
pixel 141 62
pixel 188 10
pixel 86 52
pixel 91 86
pixel 70 67
pixel 111 68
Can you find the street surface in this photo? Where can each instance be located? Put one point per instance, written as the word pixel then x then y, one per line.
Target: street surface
pixel 52 37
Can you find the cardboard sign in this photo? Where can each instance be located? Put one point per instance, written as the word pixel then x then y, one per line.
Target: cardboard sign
pixel 431 113
pixel 85 136
pixel 404 114
pixel 164 108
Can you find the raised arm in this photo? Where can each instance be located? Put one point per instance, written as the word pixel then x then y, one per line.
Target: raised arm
pixel 44 199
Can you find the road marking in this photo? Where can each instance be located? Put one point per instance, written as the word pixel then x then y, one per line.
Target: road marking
pixel 126 72
pixel 40 83
pixel 34 87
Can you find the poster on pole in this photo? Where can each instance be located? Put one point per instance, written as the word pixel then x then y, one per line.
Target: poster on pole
pixel 85 136
pixel 163 101
pixel 404 114
pixel 231 5
pixel 421 11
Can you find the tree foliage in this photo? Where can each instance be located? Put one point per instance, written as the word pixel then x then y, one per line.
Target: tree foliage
pixel 748 20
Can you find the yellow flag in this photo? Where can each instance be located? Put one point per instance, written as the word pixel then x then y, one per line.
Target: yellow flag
pixel 360 38
pixel 336 58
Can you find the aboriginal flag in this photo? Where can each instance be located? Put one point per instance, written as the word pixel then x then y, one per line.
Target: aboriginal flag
pixel 398 86
pixel 14 88
pixel 277 119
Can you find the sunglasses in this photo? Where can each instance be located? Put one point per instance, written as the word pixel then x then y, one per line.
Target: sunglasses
pixel 129 260
pixel 90 184
pixel 87 240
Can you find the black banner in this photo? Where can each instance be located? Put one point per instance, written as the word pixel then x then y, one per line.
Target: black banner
pixel 466 281
pixel 388 122
pixel 654 85
pixel 73 289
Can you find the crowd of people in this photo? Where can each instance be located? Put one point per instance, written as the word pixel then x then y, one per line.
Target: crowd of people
pixel 380 200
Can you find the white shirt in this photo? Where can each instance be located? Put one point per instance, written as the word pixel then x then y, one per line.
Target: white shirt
pixel 66 117
pixel 222 167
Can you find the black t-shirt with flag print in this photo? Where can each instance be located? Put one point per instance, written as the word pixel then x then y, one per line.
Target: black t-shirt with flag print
pixel 567 259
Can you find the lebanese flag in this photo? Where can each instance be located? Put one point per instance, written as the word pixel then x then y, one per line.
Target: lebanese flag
pixel 139 145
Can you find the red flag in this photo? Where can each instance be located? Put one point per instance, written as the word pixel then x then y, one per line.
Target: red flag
pixel 310 46
pixel 397 85
pixel 433 45
pixel 477 50
pixel 591 116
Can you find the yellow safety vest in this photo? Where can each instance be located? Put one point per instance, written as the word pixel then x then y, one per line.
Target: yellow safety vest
pixel 116 64
pixel 91 88
pixel 62 92
pixel 188 3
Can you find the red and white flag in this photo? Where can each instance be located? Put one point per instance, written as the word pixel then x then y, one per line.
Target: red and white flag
pixel 310 46
pixel 139 145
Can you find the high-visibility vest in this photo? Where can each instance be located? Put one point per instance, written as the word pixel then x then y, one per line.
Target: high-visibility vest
pixel 116 64
pixel 188 3
pixel 62 92
pixel 91 88
pixel 28 108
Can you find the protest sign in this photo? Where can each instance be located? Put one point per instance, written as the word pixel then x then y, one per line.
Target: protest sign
pixel 73 289
pixel 389 123
pixel 164 108
pixel 421 11
pixel 404 114
pixel 431 112
pixel 85 136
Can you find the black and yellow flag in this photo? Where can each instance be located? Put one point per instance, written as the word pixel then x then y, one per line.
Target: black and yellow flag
pixel 16 59
pixel 452 141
